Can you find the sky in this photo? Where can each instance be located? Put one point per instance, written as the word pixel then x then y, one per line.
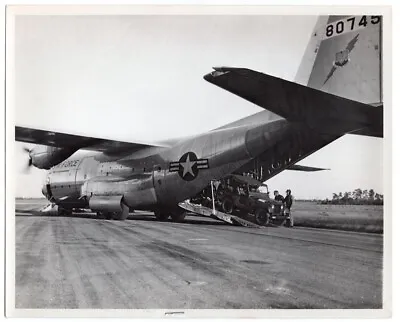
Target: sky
pixel 140 78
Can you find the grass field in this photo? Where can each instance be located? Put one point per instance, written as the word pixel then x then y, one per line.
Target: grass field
pixel 311 214
pixel 344 217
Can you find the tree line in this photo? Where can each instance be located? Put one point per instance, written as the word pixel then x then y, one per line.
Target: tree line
pixel 357 197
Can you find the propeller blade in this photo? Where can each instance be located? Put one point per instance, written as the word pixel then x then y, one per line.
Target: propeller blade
pixel 27 167
pixel 29 164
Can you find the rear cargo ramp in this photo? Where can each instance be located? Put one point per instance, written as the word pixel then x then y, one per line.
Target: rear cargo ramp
pixel 208 212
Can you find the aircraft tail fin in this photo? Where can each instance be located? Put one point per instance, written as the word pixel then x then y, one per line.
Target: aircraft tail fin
pixel 341 74
pixel 343 57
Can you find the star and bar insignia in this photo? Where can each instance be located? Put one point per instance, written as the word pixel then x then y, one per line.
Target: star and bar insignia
pixel 188 166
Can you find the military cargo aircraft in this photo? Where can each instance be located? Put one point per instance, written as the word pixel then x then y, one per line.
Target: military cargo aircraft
pixel 338 91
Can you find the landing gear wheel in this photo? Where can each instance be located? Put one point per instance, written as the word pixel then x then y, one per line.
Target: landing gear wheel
pixel 227 205
pixel 262 217
pixel 122 214
pixel 100 215
pixel 178 217
pixel 64 212
pixel 109 215
pixel 161 216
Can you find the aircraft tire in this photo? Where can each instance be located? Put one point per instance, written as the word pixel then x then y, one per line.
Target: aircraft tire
pixel 120 215
pixel 64 212
pixel 161 216
pixel 227 205
pixel 178 217
pixel 262 217
pixel 60 211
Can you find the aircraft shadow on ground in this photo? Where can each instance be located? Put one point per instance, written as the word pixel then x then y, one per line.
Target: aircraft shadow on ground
pixel 192 221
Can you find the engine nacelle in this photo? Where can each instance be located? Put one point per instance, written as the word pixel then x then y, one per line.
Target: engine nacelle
pixel 110 204
pixel 45 157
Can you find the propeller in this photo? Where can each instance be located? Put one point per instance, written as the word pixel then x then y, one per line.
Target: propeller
pixel 28 166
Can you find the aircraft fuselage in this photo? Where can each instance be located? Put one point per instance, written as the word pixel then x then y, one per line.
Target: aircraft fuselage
pixel 158 177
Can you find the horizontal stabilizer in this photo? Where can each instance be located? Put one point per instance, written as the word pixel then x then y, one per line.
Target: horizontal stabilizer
pixel 298 167
pixel 323 112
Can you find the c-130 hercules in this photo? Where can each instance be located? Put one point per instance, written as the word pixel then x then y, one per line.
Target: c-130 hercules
pixel 341 96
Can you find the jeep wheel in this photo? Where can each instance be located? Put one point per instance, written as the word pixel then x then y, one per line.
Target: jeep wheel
pixel 227 205
pixel 262 217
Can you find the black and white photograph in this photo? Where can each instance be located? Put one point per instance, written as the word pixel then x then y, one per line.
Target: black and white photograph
pixel 166 160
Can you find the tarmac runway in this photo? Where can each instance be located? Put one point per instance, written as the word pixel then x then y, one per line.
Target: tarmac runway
pixel 84 262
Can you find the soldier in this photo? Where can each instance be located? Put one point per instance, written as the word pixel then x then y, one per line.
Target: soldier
pixel 278 197
pixel 278 208
pixel 288 201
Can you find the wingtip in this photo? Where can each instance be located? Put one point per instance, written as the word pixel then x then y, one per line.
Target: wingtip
pixel 217 71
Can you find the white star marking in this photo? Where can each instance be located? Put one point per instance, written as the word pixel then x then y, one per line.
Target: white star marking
pixel 188 166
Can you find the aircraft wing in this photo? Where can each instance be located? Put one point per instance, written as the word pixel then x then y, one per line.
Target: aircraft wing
pixel 321 111
pixel 64 140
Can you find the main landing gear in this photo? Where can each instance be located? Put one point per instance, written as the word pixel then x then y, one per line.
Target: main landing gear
pixel 104 215
pixel 161 216
pixel 111 215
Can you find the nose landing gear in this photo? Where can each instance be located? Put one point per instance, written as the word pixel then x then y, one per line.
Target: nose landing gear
pixel 63 211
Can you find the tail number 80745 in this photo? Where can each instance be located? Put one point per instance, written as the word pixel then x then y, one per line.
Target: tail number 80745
pixel 350 24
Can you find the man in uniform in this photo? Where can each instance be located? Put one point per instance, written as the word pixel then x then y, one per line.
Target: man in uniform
pixel 288 201
pixel 278 197
pixel 278 209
